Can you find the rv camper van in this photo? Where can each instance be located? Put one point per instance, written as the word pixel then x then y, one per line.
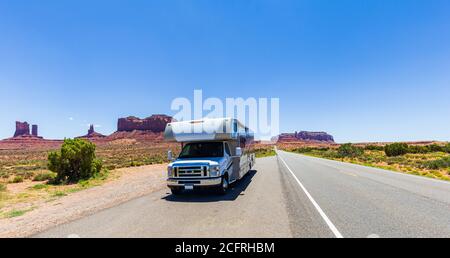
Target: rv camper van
pixel 214 154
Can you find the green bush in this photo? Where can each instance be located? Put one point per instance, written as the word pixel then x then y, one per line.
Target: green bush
pixel 446 148
pixel 349 150
pixel 438 164
pixel 396 149
pixel 422 149
pixel 2 187
pixel 418 149
pixel 435 148
pixel 374 147
pixel 303 149
pixel 39 186
pixel 74 162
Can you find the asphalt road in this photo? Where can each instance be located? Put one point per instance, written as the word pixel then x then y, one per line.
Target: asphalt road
pixel 290 195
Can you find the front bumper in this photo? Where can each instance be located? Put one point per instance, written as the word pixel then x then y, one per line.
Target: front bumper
pixel 196 182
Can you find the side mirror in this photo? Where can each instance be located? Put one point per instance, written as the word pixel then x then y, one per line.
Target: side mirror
pixel 169 155
pixel 238 151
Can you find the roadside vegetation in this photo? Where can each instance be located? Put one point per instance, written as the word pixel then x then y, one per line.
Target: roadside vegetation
pixel 29 175
pixel 431 160
pixel 262 151
pixel 31 164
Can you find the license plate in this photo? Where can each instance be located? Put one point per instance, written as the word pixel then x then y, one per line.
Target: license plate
pixel 188 187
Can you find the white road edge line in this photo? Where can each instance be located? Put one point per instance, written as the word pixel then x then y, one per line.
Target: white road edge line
pixel 322 214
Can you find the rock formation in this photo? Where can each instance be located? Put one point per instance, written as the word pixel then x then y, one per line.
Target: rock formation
pixel 34 130
pixel 154 123
pixel 91 129
pixel 22 128
pixel 92 134
pixel 306 136
pixel 147 129
pixel 22 132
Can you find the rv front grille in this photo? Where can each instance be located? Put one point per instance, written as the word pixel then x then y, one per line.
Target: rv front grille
pixel 196 171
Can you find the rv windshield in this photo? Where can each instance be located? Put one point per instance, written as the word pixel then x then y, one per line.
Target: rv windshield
pixel 202 150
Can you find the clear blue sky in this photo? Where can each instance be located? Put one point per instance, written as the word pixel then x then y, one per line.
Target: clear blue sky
pixel 360 70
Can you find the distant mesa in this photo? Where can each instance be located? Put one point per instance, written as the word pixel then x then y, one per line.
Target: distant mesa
pixel 154 123
pixel 92 134
pixel 150 128
pixel 23 131
pixel 306 136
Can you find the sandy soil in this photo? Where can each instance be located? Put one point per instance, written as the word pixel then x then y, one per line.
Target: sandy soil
pixel 132 183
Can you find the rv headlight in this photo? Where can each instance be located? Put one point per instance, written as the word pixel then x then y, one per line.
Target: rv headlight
pixel 169 171
pixel 214 170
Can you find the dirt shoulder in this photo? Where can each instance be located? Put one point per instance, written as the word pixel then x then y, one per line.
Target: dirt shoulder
pixel 43 214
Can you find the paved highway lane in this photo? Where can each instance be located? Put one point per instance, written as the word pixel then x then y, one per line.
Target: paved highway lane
pixel 361 201
pixel 286 196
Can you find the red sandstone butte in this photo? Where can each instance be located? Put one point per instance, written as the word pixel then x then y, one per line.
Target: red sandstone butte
pixel 154 123
pixel 147 129
pixel 306 136
pixel 22 128
pixel 92 134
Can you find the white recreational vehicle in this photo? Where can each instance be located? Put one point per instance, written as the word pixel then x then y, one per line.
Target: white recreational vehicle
pixel 215 153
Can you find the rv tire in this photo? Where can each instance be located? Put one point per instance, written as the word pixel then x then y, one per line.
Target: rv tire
pixel 223 187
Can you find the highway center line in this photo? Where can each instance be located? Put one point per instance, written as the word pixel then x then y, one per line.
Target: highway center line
pixel 324 216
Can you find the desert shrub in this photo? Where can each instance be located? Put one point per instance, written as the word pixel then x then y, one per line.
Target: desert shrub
pixel 422 149
pixel 446 148
pixel 349 150
pixel 4 174
pixel 111 167
pixel 435 148
pixel 438 164
pixel 418 149
pixel 303 149
pixel 44 176
pixel 264 152
pixel 25 174
pixel 75 161
pixel 17 179
pixel 2 187
pixel 396 149
pixel 135 163
pixel 39 186
pixel 374 147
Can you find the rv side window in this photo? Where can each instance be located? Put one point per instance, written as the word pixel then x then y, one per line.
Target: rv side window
pixel 227 149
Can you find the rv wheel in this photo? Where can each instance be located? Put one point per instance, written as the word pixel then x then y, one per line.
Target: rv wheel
pixel 223 187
